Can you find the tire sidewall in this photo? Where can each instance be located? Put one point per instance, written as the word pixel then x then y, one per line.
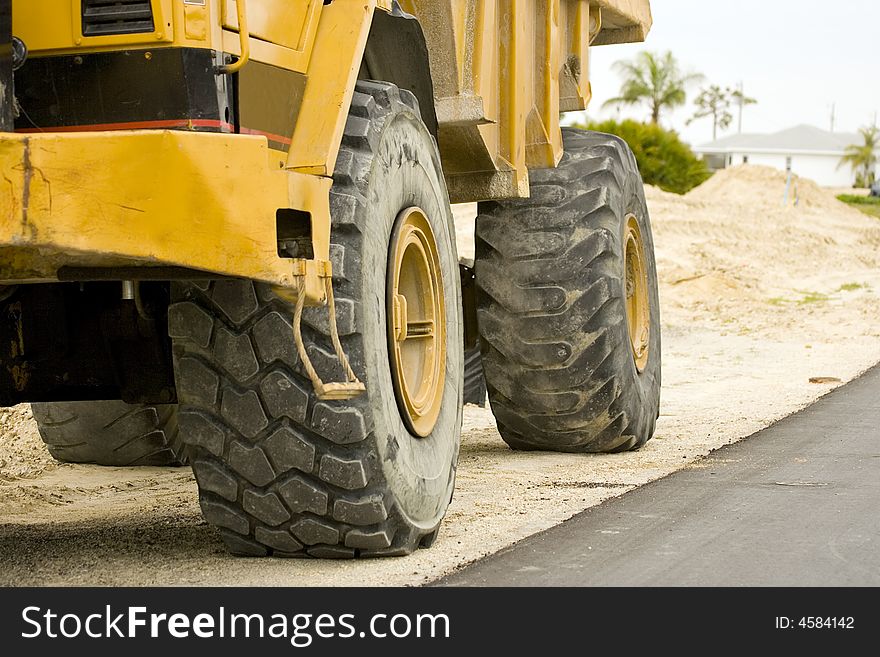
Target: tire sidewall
pixel 405 172
pixel 646 384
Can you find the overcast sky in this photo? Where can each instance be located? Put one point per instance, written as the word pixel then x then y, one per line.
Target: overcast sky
pixel 796 57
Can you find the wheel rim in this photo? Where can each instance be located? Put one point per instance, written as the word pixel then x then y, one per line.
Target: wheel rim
pixel 638 310
pixel 416 322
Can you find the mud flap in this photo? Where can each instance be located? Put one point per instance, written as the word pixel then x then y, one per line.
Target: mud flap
pixel 474 380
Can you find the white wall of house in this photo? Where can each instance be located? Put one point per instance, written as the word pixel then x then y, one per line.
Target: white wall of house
pixel 822 169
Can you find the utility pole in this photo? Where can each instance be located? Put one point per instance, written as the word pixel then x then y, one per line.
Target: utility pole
pixel 833 108
pixel 741 101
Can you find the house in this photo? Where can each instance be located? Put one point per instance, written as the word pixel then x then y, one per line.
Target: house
pixel 808 151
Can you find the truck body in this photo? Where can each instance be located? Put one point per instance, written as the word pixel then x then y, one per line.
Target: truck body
pixel 120 99
pixel 211 207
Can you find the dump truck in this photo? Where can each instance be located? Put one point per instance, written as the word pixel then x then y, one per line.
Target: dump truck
pixel 226 239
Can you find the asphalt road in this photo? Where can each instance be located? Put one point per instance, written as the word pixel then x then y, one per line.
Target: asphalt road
pixel 797 504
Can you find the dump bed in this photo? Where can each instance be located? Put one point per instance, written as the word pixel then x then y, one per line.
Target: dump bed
pixel 623 21
pixel 503 72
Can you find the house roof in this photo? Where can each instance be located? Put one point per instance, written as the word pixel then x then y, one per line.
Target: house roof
pixel 800 139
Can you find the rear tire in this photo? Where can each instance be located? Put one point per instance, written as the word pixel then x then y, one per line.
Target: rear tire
pixel 110 432
pixel 559 361
pixel 279 471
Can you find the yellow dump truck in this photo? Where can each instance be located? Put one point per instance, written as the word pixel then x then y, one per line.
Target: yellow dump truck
pixel 226 238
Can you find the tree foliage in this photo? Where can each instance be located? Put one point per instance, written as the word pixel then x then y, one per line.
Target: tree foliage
pixel 664 160
pixel 862 158
pixel 654 79
pixel 740 99
pixel 716 102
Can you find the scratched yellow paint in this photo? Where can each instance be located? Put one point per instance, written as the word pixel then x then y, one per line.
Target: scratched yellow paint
pixel 198 200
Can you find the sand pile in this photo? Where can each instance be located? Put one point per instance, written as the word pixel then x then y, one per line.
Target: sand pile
pixel 22 453
pixel 749 185
pixel 731 242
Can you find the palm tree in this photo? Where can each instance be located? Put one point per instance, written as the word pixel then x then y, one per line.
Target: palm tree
pixel 862 158
pixel 655 79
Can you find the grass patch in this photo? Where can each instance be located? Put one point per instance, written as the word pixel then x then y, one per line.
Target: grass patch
pixel 851 287
pixel 807 297
pixel 858 199
pixel 812 297
pixel 870 205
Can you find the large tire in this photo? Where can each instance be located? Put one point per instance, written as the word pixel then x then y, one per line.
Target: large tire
pixel 557 354
pixel 279 471
pixel 110 432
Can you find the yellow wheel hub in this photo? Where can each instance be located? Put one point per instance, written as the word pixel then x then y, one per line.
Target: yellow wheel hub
pixel 416 322
pixel 638 309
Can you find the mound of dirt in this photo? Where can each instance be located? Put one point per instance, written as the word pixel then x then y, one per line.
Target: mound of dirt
pixel 764 186
pixel 656 195
pixel 731 254
pixel 22 453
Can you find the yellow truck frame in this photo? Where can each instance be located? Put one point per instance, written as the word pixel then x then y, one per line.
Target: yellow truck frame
pixel 501 74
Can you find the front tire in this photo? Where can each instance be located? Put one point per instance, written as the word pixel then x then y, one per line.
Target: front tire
pixel 279 471
pixel 568 305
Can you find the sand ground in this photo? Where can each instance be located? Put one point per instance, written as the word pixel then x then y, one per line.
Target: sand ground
pixel 757 299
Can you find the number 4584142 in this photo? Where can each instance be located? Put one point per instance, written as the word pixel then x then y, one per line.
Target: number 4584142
pixel 816 623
